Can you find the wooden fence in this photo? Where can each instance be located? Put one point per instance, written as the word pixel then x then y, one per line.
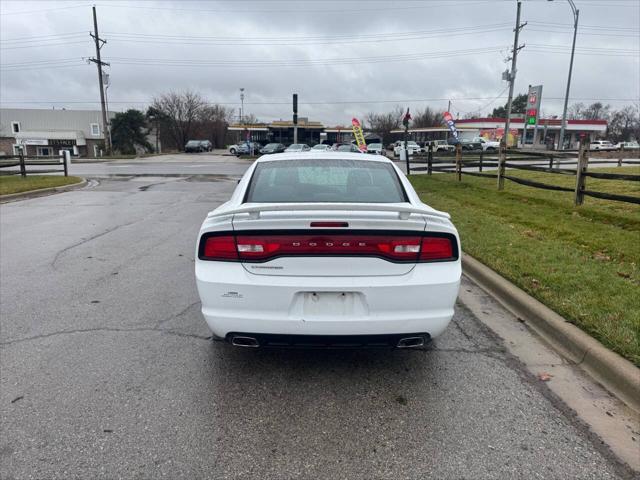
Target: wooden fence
pixel 552 162
pixel 24 161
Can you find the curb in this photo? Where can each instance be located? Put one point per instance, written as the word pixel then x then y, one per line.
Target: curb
pixel 617 374
pixel 42 191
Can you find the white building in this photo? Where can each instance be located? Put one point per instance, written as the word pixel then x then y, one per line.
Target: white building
pixel 44 132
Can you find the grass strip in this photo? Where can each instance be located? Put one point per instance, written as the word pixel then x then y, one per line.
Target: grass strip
pixel 583 262
pixel 17 184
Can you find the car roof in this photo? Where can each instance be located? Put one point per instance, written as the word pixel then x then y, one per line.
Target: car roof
pixel 322 155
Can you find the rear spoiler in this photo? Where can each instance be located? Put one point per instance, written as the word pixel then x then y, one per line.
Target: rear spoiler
pixel 403 211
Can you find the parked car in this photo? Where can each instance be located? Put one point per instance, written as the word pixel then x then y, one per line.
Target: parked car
pixel 439 146
pixel 375 149
pixel 246 148
pixel 628 146
pixel 298 147
pixel 412 148
pixel 198 146
pixel 321 147
pixel 348 147
pixel 466 144
pixel 354 258
pixel 601 145
pixel 487 145
pixel 270 148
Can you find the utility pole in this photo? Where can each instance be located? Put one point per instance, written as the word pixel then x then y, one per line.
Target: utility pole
pixel 576 14
pixel 295 118
pixel 241 106
pixel 511 76
pixel 99 63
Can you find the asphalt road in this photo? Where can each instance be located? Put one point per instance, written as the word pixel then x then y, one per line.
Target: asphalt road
pixel 107 370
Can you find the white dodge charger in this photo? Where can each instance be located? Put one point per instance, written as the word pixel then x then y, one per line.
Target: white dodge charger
pixel 327 249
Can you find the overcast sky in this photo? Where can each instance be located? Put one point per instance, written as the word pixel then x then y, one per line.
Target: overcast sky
pixel 343 57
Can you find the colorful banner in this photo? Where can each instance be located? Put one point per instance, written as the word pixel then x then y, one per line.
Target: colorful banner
pixel 357 133
pixel 448 118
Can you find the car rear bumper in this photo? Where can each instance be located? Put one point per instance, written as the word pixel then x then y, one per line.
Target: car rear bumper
pixel 262 340
pixel 234 300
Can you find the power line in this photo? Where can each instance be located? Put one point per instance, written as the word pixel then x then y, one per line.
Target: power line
pixel 38 38
pixel 326 102
pixel 44 45
pixel 582 27
pixel 57 36
pixel 40 10
pixel 328 11
pixel 258 63
pixel 243 41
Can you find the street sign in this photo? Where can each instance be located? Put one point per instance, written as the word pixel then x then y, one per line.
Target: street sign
pixel 533 104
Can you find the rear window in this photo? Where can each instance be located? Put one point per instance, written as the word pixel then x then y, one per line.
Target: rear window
pixel 325 180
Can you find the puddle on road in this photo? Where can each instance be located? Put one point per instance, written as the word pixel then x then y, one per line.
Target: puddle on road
pixel 213 178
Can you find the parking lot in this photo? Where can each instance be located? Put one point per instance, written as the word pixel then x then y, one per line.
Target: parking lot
pixel 108 370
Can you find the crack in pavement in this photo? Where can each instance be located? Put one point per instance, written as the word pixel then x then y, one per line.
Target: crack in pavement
pixel 177 315
pixel 86 240
pixel 106 329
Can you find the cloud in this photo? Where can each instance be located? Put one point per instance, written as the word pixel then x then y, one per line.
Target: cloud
pixel 275 48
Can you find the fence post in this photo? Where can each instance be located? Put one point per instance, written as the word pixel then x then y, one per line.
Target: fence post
pixel 23 170
pixel 501 160
pixel 64 160
pixel 480 162
pixel 550 161
pixel 621 155
pixel 430 159
pixel 459 161
pixel 581 179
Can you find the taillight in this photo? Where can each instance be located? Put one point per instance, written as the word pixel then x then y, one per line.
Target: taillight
pixel 436 248
pixel 395 247
pixel 221 247
pixel 263 247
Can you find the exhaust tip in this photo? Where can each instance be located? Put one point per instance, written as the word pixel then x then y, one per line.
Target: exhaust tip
pixel 247 342
pixel 411 342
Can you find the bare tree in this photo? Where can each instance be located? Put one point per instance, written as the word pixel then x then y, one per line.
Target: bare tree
pixel 427 118
pixel 212 123
pixel 625 124
pixel 574 112
pixel 249 119
pixel 597 111
pixel 383 123
pixel 180 112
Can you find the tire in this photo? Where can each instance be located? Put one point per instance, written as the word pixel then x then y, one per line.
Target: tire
pixel 232 151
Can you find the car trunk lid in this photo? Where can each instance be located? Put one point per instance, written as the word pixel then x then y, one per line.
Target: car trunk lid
pixel 318 241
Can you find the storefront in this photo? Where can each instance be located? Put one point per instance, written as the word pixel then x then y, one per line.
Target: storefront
pixel 545 135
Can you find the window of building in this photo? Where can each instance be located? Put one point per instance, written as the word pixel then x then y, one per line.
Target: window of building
pixel 17 149
pixel 44 151
pixel 95 129
pixel 15 127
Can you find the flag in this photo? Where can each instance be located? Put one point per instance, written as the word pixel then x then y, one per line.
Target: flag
pixel 357 133
pixel 448 119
